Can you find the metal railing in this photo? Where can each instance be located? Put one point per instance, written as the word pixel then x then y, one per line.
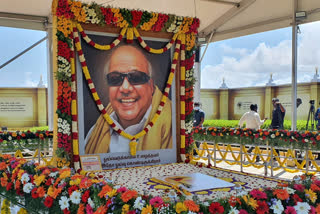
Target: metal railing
pixel 271 158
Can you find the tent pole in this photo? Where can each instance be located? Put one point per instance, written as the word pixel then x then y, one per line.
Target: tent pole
pixel 197 75
pixel 294 67
pixel 50 76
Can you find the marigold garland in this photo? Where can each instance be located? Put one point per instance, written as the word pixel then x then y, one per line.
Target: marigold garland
pixel 69 10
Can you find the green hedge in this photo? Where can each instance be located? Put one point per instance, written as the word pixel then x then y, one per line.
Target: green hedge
pixel 301 124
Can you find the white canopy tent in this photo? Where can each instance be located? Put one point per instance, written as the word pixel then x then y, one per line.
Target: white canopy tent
pixel 219 19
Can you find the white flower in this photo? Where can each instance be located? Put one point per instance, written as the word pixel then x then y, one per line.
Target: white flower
pixel 59 120
pixel 9 138
pixel 302 208
pixel 90 202
pixel 64 202
pixel 290 190
pixel 306 140
pixel 139 203
pixel 292 137
pixel 273 136
pixel 206 203
pixel 27 187
pixel 75 197
pixel 190 212
pixel 277 207
pixel 233 210
pixel 25 177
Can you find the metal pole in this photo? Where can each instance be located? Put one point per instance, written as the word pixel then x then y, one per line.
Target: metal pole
pixel 50 77
pixel 23 52
pixel 197 75
pixel 294 67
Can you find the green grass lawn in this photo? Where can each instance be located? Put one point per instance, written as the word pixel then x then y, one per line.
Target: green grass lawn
pixel 301 124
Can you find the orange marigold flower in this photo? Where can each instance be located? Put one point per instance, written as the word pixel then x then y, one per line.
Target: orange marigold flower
pixel 3 166
pixel 81 209
pixel 282 184
pixel 85 183
pixel 6 156
pixel 41 192
pixel 129 195
pixel 18 184
pixel 193 207
pixel 104 191
pixel 318 208
pixel 4 181
pixel 101 210
pixel 281 194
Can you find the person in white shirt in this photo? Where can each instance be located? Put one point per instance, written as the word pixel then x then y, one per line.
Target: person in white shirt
pixel 253 121
pixel 252 118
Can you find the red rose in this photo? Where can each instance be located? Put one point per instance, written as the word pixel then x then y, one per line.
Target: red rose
pixel 48 201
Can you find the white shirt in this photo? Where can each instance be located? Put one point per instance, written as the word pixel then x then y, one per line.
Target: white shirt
pixel 252 120
pixel 119 143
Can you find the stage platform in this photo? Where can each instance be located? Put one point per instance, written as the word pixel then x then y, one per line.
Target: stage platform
pixel 141 179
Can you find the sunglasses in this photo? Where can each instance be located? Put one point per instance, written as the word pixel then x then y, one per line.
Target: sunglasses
pixel 134 77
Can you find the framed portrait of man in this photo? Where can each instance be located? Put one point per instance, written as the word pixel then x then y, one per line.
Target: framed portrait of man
pixel 130 83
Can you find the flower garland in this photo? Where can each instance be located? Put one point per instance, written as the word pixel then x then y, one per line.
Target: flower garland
pixel 151 50
pixel 283 138
pixel 133 142
pixel 62 191
pixel 67 11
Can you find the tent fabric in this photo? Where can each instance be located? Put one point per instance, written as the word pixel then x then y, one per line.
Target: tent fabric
pixel 225 20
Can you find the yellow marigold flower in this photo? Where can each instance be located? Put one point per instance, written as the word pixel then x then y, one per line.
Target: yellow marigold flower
pixel 250 201
pixel 180 207
pixel 75 182
pixel 125 209
pixel 147 210
pixel 311 195
pixel 22 211
pixel 112 193
pixel 14 134
pixel 20 173
pixel 39 179
pixel 115 10
pixel 65 173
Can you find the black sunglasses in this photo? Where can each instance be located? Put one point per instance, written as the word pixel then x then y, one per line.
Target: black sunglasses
pixel 134 77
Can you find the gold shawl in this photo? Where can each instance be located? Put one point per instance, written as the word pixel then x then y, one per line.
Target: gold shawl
pixel 158 137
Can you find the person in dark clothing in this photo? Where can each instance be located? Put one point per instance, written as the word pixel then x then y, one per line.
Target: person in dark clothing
pixel 198 119
pixel 278 114
pixel 198 115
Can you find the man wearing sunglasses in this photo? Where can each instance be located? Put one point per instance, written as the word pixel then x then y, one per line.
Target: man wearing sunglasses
pixel 134 100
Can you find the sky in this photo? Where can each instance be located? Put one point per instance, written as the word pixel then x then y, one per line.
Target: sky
pixel 250 59
pixel 26 70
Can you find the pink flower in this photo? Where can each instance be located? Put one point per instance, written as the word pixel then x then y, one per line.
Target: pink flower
pixel 312 210
pixel 156 201
pixel 290 210
pixel 299 187
pixel 242 211
pixel 258 194
pixel 122 189
pixel 89 209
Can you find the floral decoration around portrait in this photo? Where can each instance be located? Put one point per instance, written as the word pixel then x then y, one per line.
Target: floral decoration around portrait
pixel 69 16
